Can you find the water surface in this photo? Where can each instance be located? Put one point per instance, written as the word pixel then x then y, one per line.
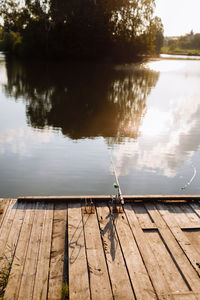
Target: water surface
pixel 60 124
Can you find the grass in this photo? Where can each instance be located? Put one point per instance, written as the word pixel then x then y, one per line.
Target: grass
pixel 6 265
pixel 178 51
pixel 4 273
pixel 64 291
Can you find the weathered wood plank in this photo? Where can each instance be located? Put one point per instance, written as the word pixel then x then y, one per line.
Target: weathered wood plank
pixel 30 267
pixel 6 225
pixel 143 217
pixel 141 283
pixel 193 236
pixel 157 278
pixel 4 204
pixel 41 278
pixel 78 269
pixel 156 252
pixel 179 215
pixel 190 276
pixel 187 213
pixel 11 242
pixel 184 215
pixel 81 198
pixel 196 208
pixel 183 241
pixel 14 281
pixel 167 265
pixel 98 272
pixel 118 273
pixel 185 296
pixel 13 236
pixel 191 215
pixel 57 251
pixel 165 261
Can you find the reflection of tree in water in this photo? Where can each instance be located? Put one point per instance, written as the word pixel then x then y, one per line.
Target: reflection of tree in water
pixel 83 100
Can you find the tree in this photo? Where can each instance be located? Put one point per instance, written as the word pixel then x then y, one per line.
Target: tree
pixel 189 41
pixel 196 41
pixel 83 28
pixel 159 34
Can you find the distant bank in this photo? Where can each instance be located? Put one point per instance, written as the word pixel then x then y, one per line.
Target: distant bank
pixel 178 51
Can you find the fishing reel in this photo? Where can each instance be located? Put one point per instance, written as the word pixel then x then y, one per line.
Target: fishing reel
pixel 117 201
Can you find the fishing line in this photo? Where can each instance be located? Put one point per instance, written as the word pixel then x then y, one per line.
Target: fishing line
pixel 116 185
pixel 192 178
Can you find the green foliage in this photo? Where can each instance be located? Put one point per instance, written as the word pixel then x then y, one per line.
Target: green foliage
pixel 173 47
pixel 65 291
pixel 178 51
pixel 83 29
pixel 188 44
pixel 159 34
pixel 11 41
pixel 6 265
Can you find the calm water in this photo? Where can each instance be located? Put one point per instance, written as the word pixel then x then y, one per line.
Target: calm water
pixel 60 123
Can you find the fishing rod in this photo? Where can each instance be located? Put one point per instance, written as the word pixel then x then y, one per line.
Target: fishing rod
pixel 190 181
pixel 116 185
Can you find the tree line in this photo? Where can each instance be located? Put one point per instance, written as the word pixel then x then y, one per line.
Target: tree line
pixel 81 29
pixel 185 43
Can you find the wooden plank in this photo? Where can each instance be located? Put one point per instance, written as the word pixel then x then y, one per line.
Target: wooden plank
pixel 29 272
pixel 184 215
pixel 78 269
pixel 196 208
pixel 13 237
pixel 179 215
pixel 57 251
pixel 6 225
pixel 41 278
pixel 118 273
pixel 141 283
pixel 193 230
pixel 185 296
pixel 183 241
pixel 4 204
pixel 165 262
pixel 127 198
pixel 163 197
pixel 143 217
pixel 10 244
pixel 156 275
pixel 98 272
pixel 193 236
pixel 80 198
pixel 14 281
pixel 192 216
pixel 177 253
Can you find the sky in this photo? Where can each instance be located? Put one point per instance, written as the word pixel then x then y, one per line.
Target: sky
pixel 179 16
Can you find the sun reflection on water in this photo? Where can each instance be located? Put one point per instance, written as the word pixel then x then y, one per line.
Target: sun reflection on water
pixel 166 65
pixel 155 122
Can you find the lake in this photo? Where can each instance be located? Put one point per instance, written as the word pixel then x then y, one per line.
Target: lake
pixel 61 125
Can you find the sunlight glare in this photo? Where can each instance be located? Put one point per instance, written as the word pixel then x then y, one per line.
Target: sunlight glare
pixel 3 75
pixel 165 65
pixel 155 123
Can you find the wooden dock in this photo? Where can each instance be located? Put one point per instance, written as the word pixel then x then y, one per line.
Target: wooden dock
pixel 151 250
